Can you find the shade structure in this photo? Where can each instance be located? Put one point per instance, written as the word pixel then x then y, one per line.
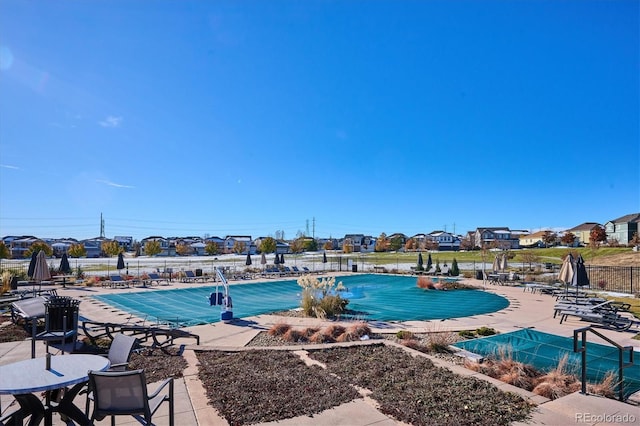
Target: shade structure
pixel 566 271
pixel 580 277
pixel 420 262
pixel 32 264
pixel 120 264
pixel 276 261
pixel 503 262
pixel 496 263
pixel 248 261
pixel 282 258
pixel 65 268
pixel 41 270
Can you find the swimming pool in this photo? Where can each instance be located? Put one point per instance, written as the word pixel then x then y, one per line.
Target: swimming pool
pixel 381 297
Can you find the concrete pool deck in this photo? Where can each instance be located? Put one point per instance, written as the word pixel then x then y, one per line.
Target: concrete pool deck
pixel 526 309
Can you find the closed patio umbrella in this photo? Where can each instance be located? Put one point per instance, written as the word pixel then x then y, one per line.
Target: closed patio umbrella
pixel 65 268
pixel 496 264
pixel 580 277
pixel 41 270
pixel 276 261
pixel 263 260
pixel 324 257
pixel 420 262
pixel 503 262
pixel 429 262
pixel 282 258
pixel 566 271
pixel 248 262
pixel 32 264
pixel 120 264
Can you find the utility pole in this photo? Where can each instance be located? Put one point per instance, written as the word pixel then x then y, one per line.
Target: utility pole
pixel 101 226
pixel 314 228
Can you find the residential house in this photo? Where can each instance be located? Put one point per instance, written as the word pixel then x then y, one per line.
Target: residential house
pixel 532 240
pixel 93 246
pixel 125 242
pixel 219 242
pixel 622 228
pixel 498 237
pixel 230 242
pixel 446 241
pixel 583 232
pixel 19 246
pixel 167 245
pixel 282 247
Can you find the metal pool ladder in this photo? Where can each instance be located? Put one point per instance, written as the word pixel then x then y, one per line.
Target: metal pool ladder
pixel 583 349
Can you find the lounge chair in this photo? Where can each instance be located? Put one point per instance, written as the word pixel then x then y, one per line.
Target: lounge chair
pixel 444 271
pixel 154 277
pixel 431 271
pixel 191 277
pixel 606 314
pixel 117 281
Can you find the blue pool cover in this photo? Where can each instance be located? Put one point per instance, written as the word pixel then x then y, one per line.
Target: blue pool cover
pixel 544 350
pixel 375 297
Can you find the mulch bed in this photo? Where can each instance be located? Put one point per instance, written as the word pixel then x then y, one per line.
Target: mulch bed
pixel 262 385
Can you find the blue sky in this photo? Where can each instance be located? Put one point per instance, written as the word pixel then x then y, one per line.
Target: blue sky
pixel 181 118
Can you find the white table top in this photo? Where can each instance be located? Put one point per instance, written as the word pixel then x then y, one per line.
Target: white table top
pixel 30 375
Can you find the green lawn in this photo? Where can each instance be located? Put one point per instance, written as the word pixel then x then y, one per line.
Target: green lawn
pixel 551 255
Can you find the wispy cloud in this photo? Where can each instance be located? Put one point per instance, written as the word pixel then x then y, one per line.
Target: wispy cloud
pixel 115 185
pixel 7 166
pixel 111 121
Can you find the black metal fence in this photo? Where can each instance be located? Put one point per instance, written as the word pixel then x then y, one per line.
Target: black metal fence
pixel 623 279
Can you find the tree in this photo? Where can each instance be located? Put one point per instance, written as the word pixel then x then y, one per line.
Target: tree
pixel 455 270
pixel 268 245
pixel 183 249
pixel 549 238
pixel 111 248
pixel 239 247
pixel 5 253
pixel 297 245
pixel 568 239
pixel 328 245
pixel 347 246
pixel 152 248
pixel 529 257
pixel 211 248
pixel 410 244
pixel 77 250
pixel 37 246
pixel 597 235
pixel 382 243
pixel 635 240
pixel 466 244
pixel 395 244
pixel 310 244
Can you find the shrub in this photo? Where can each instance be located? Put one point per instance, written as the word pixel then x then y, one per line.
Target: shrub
pixel 404 335
pixel 485 331
pixel 279 329
pixel 321 337
pixel 425 282
pixel 413 344
pixel 334 330
pixel 467 334
pixel 359 329
pixel 310 331
pixel 319 299
pixel 293 335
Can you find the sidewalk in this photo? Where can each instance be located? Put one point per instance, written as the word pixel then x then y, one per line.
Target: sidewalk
pixel 525 310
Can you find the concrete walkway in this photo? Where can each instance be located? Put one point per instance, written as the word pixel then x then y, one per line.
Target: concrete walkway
pixel 526 309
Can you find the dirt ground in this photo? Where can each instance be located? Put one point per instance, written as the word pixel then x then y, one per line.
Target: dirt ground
pixel 623 259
